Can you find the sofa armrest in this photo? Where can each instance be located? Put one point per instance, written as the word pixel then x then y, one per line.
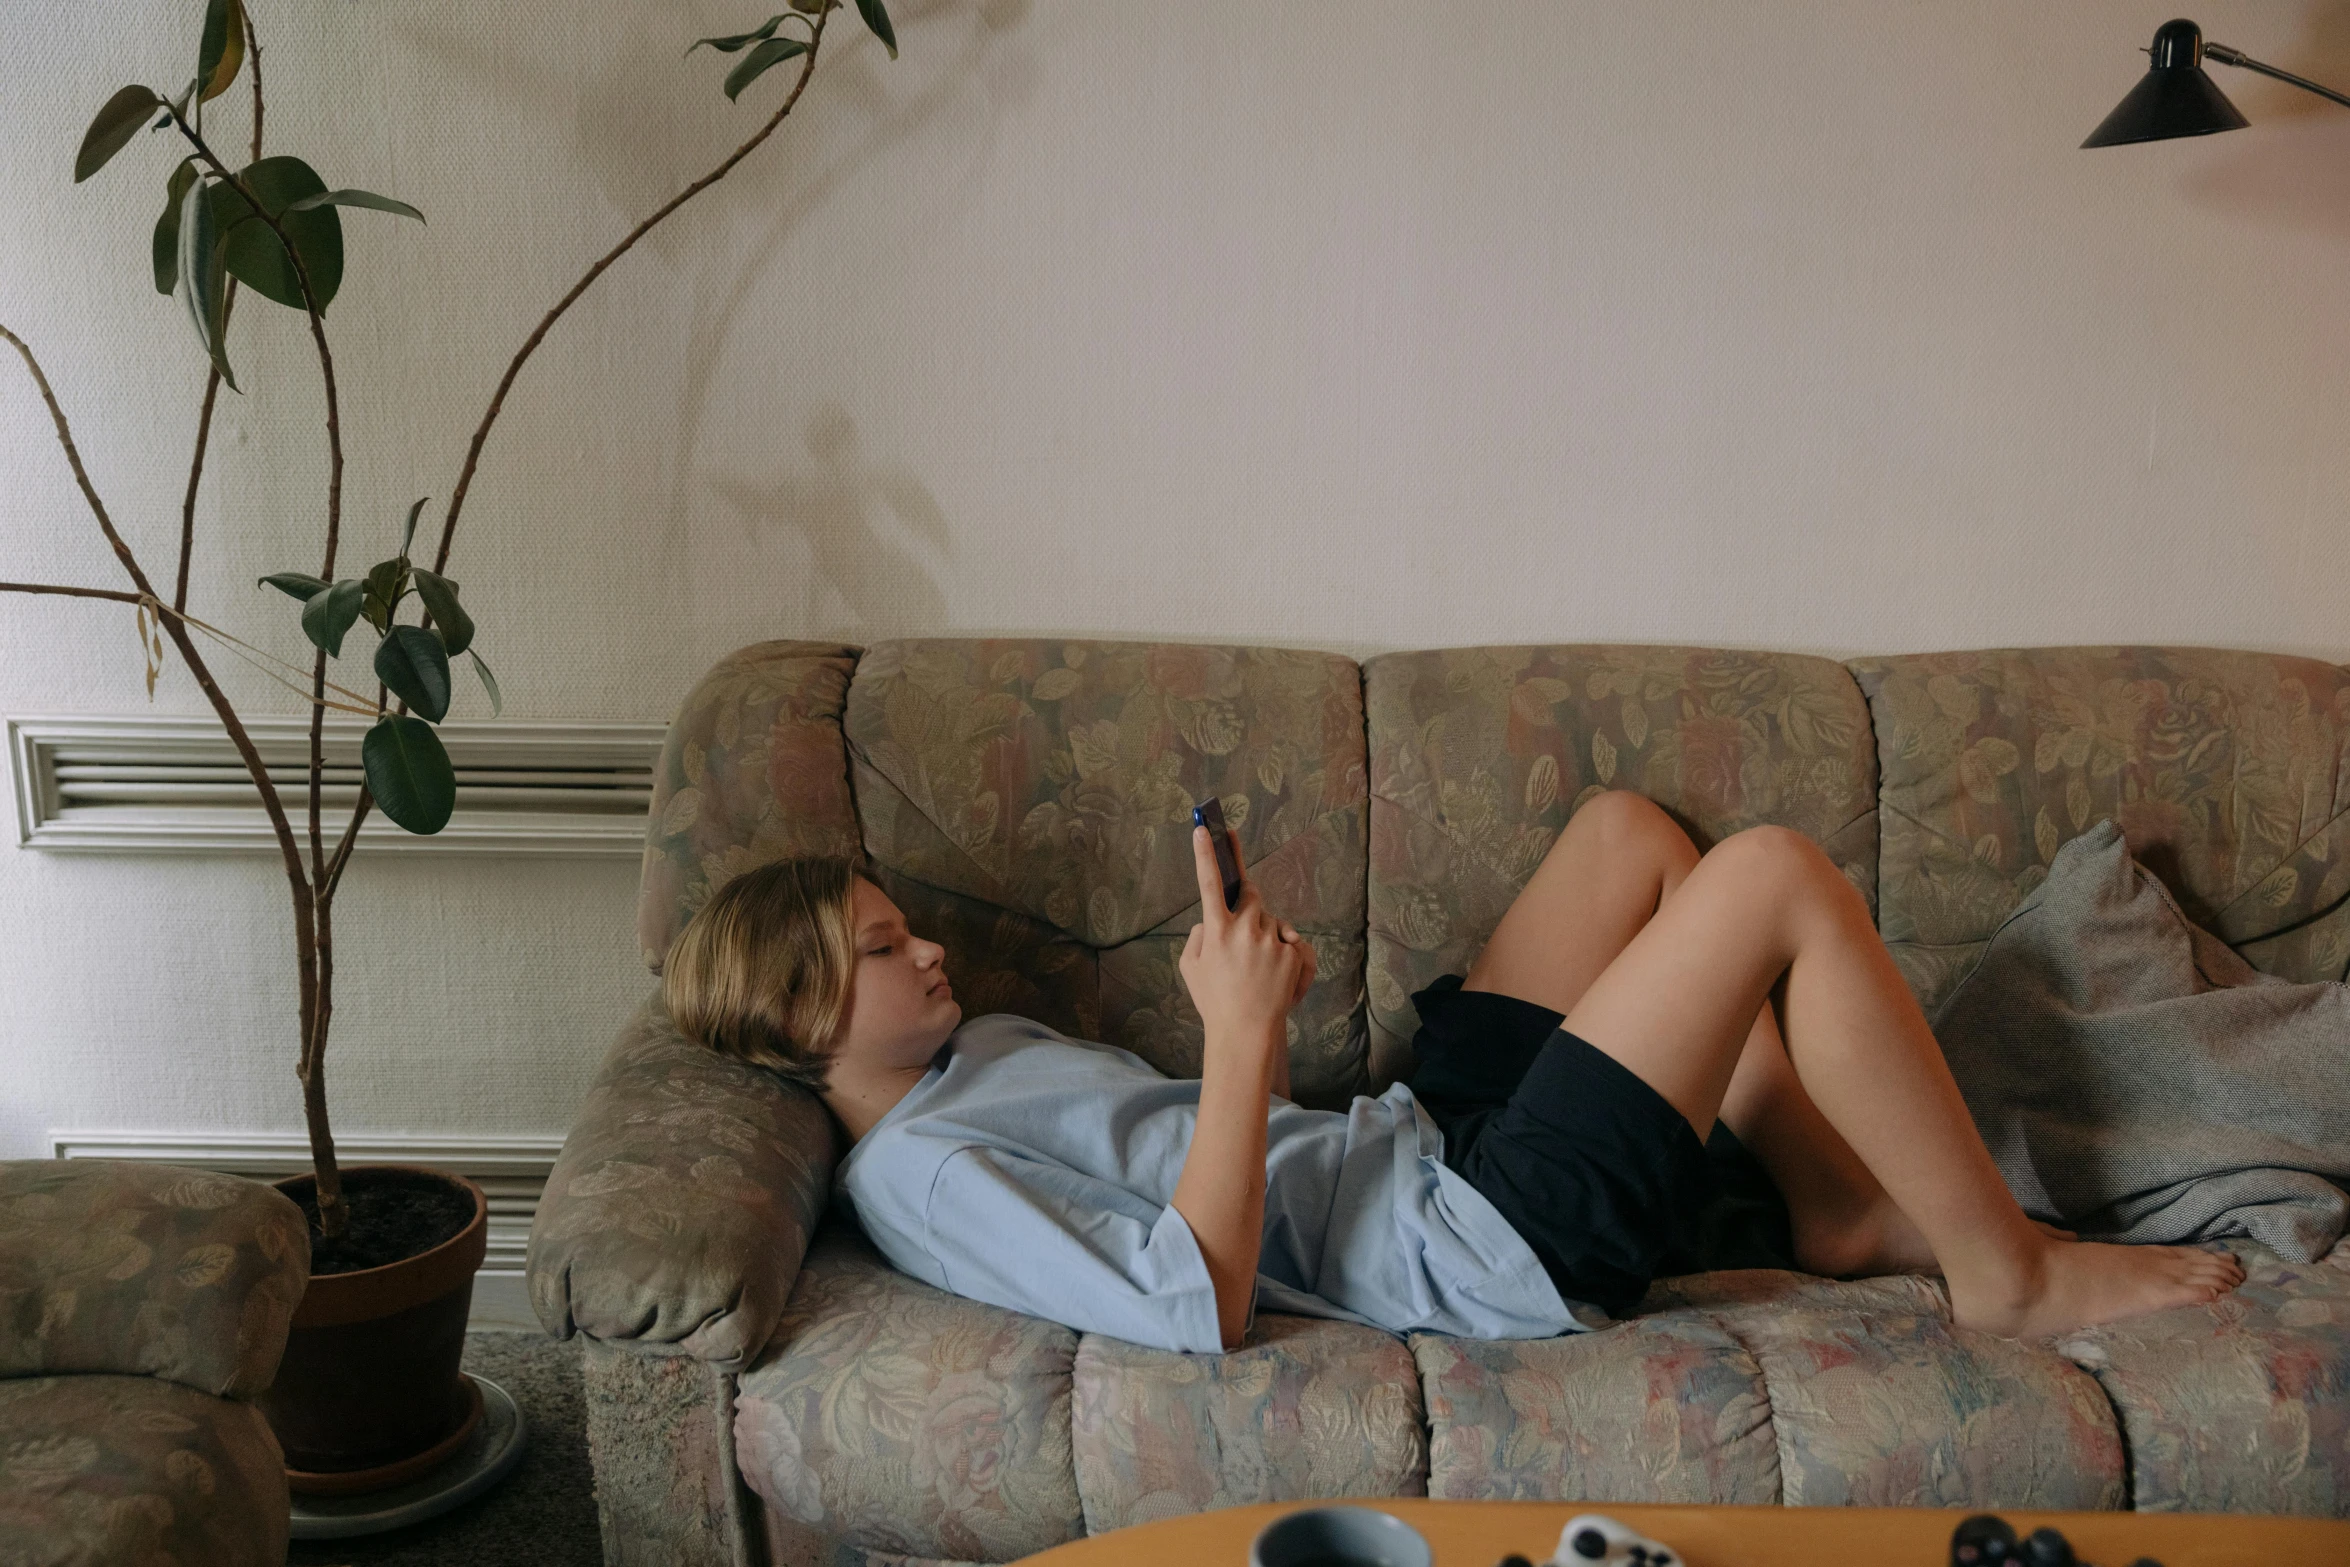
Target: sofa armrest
pixel 136 1269
pixel 682 1203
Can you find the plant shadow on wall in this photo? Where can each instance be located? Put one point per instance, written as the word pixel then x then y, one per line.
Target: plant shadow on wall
pixel 835 504
pixel 833 501
pixel 2297 174
pixel 395 1250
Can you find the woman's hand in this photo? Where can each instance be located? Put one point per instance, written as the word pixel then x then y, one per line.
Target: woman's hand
pixel 1244 968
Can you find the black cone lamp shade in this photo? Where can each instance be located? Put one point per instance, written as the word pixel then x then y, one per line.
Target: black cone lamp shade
pixel 2175 98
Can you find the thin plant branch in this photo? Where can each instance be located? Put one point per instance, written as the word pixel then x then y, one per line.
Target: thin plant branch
pixel 80 593
pixel 334 867
pixel 122 551
pixel 440 560
pixel 298 887
pixel 179 592
pixel 342 855
pixel 334 478
pixel 195 660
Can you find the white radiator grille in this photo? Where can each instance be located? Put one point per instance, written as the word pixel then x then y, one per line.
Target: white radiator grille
pixel 148 785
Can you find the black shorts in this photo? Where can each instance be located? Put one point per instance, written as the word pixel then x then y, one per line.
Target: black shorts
pixel 1606 1181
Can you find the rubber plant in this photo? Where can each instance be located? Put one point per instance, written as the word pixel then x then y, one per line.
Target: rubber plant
pixel 272 227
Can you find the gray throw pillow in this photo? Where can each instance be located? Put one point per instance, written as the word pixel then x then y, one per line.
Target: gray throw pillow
pixel 2137 1080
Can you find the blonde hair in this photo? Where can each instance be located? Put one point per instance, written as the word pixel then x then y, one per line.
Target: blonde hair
pixel 762 971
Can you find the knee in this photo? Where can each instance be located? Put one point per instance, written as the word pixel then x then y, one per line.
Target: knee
pixel 1783 863
pixel 1632 826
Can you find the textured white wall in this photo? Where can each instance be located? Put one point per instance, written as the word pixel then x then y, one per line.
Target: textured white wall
pixel 1346 325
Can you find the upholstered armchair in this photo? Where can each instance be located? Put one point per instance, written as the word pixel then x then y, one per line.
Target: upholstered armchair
pixel 142 1309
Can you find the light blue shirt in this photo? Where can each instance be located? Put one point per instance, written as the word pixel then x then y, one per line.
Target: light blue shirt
pixel 1037 1172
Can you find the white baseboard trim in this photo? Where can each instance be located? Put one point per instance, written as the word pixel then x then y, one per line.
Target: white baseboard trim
pixel 511 1172
pixel 501 1301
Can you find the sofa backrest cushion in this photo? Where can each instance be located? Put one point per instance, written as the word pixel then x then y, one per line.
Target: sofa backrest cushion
pixel 1479 755
pixel 752 771
pixel 2225 770
pixel 1028 802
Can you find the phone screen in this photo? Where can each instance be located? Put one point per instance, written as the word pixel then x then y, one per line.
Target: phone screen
pixel 1210 814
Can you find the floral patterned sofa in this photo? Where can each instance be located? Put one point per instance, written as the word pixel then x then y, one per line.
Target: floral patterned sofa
pixel 142 1308
pixel 761 1387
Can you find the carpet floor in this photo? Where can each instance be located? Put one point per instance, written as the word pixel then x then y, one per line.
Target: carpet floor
pixel 541 1515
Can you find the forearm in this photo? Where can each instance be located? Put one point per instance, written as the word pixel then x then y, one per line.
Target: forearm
pixel 1221 1191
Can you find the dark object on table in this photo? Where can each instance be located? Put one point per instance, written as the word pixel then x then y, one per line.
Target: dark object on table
pixel 1609 1542
pixel 2048 1548
pixel 1339 1537
pixel 1987 1539
pixel 1513 1560
pixel 1984 1539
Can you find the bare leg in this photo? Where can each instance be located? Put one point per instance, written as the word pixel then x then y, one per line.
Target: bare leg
pixel 1766 917
pixel 1618 860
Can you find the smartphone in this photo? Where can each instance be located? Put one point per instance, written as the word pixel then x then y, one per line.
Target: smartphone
pixel 1209 813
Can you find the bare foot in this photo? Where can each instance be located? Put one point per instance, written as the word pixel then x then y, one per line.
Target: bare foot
pixel 2083 1282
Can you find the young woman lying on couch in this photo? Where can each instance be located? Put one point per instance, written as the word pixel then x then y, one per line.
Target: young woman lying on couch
pixel 1660 1063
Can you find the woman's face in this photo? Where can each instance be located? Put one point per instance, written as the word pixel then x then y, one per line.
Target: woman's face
pixel 901 1008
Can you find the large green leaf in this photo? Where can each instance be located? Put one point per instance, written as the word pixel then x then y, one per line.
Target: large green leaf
pixel 222 51
pixel 730 45
pixel 440 597
pixel 878 19
pixel 489 683
pixel 255 255
pixel 167 227
pixel 409 774
pixel 408 532
pixel 300 584
pixel 354 198
pixel 117 122
pixel 387 583
pixel 203 278
pixel 327 616
pixel 756 62
pixel 413 663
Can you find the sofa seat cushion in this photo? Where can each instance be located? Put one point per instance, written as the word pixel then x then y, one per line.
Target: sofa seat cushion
pixel 1663 1408
pixel 1878 1400
pixel 131 1469
pixel 903 1419
pixel 2242 1405
pixel 1306 1408
pixel 1763 1386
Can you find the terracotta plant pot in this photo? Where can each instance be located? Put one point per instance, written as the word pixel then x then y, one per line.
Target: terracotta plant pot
pixel 368 1394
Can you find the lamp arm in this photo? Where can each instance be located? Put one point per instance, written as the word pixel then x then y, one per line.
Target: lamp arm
pixel 2227 56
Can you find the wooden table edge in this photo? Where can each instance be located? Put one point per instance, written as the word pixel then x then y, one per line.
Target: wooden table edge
pixel 1479 1534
